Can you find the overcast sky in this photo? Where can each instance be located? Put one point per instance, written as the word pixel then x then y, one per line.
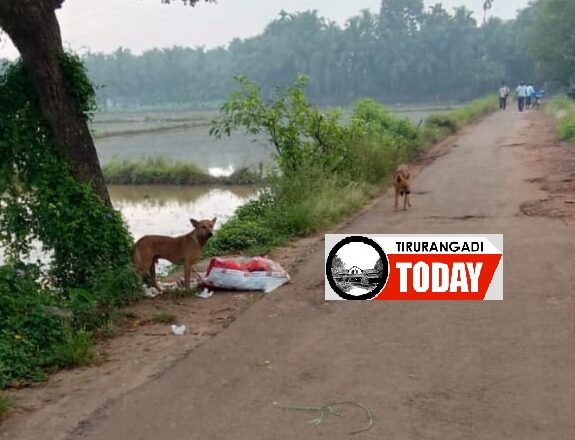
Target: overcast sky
pixel 104 25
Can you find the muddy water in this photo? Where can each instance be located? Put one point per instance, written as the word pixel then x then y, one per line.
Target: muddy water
pixel 166 210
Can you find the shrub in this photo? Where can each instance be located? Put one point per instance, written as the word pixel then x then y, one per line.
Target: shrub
pixel 327 169
pixel 563 111
pixel 75 350
pixel 30 325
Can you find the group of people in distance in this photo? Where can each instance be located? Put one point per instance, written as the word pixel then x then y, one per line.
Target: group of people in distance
pixel 527 96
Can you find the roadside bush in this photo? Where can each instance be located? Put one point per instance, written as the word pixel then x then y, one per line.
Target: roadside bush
pixel 439 126
pixel 46 328
pixel 445 123
pixel 327 169
pixel 563 111
pixel 30 325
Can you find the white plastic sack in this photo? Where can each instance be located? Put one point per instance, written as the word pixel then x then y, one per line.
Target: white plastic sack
pixel 255 274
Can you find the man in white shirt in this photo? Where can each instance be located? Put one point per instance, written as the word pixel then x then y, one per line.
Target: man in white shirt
pixel 521 93
pixel 503 94
pixel 530 95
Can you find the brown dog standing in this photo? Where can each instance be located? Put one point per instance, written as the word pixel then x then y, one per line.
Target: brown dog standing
pixel 402 187
pixel 185 249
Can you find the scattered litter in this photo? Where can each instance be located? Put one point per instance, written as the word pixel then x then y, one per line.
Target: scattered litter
pixel 179 330
pixel 327 410
pixel 241 297
pixel 258 273
pixel 205 294
pixel 151 292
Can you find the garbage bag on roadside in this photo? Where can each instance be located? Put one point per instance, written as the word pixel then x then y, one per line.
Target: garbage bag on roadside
pixel 256 273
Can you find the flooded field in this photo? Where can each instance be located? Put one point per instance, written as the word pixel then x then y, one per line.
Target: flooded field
pixel 166 210
pixel 184 136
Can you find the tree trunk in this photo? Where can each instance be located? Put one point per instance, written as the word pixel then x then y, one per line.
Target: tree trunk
pixel 33 27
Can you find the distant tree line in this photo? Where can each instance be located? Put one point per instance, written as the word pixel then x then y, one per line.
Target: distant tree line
pixel 403 53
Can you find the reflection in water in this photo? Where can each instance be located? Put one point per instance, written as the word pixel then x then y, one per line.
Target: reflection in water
pixel 166 210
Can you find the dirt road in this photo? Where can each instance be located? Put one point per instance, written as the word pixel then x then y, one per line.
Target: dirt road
pixel 493 370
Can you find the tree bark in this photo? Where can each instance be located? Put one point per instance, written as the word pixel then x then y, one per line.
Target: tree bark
pixel 33 27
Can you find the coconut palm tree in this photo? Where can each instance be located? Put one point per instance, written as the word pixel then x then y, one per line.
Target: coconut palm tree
pixel 487 5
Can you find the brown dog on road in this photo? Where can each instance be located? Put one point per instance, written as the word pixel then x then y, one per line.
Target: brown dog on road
pixel 185 249
pixel 402 187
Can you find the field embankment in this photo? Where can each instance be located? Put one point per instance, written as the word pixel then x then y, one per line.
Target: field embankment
pixel 158 171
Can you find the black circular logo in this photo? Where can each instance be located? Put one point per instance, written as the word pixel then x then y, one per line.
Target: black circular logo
pixel 357 283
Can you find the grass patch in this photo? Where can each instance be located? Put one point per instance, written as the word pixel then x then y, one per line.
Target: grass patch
pixel 43 329
pixel 439 126
pixel 158 171
pixel 164 317
pixel 76 350
pixel 562 109
pixel 5 404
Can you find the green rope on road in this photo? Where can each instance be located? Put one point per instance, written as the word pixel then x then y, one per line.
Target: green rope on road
pixel 327 410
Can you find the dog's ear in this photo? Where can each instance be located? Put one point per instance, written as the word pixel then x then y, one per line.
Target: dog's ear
pixel 214 221
pixel 194 222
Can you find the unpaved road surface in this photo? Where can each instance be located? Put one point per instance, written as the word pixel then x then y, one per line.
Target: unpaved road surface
pixel 428 370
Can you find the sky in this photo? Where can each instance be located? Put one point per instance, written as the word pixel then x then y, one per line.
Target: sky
pixel 358 254
pixel 105 25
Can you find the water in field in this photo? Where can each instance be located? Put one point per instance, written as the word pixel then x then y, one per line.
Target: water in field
pixel 177 137
pixel 166 210
pixel 185 137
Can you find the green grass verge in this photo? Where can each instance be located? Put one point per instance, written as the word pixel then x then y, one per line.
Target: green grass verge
pixel 439 126
pixel 164 317
pixel 298 207
pixel 76 350
pixel 562 109
pixel 42 330
pixel 158 171
pixel 5 404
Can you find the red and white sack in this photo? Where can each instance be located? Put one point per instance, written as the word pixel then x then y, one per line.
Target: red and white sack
pixel 245 274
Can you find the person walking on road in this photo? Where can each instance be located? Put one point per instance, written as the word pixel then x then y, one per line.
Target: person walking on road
pixel 530 95
pixel 521 93
pixel 503 94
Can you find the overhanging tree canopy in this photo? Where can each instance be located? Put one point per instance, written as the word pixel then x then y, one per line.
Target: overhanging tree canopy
pixel 33 27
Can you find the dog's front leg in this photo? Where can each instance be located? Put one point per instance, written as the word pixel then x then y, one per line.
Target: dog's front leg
pixel 154 282
pixel 187 270
pixel 396 200
pixel 198 276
